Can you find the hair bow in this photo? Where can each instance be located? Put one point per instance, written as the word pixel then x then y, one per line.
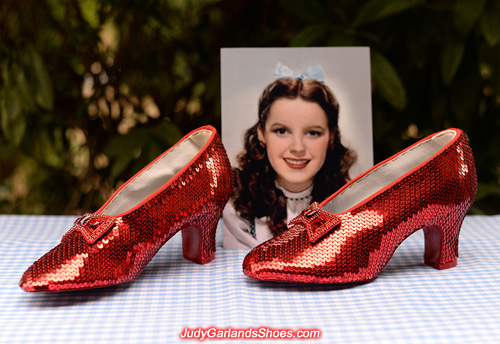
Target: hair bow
pixel 314 72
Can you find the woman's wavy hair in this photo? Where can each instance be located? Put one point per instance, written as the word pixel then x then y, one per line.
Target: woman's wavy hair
pixel 255 193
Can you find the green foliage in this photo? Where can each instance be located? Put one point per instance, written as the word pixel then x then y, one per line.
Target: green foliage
pixel 489 24
pixel 466 14
pixel 374 10
pixel 91 91
pixel 451 56
pixel 387 80
pixel 27 87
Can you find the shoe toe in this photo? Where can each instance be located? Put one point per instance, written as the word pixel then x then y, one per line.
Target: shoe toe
pixel 55 271
pixel 276 259
pixel 26 282
pixel 291 257
pixel 251 265
pixel 65 267
pixel 261 266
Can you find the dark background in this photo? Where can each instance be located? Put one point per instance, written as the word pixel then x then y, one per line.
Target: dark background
pixel 93 90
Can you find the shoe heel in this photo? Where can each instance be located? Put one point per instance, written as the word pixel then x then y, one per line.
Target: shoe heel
pixel 441 242
pixel 198 241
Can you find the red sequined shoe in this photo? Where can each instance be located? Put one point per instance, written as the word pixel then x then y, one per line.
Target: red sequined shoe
pixel 185 189
pixel 352 235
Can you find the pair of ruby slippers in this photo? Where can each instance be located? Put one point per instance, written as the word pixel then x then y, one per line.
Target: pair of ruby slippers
pixel 349 237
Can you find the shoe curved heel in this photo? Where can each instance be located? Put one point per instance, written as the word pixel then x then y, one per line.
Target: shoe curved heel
pixel 198 241
pixel 441 242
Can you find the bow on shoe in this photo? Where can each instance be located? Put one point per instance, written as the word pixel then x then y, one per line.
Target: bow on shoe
pixel 316 221
pixel 92 226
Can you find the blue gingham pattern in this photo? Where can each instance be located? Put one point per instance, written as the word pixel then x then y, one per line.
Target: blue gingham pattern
pixel 408 303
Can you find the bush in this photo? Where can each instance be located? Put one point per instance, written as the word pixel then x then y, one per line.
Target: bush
pixel 91 91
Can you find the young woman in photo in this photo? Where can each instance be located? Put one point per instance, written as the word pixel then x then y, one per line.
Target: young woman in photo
pixel 292 156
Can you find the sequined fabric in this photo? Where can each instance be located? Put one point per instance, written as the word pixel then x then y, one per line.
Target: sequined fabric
pixel 355 245
pixel 102 250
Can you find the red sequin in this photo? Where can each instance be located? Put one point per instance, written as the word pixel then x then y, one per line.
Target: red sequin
pixel 102 250
pixel 356 244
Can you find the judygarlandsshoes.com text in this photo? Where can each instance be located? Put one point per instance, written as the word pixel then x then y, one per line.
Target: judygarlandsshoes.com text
pixel 249 333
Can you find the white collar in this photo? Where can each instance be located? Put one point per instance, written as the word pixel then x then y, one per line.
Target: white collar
pixel 295 196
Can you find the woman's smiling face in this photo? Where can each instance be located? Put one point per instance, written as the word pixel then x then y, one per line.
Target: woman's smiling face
pixel 296 137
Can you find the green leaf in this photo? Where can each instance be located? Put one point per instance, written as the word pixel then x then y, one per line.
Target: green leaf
pixel 466 14
pixel 13 123
pixel 46 150
pixel 166 134
pixel 374 10
pixel 308 10
pixel 485 190
pixel 159 138
pixel 43 91
pixel 387 81
pixel 17 82
pixel 140 146
pixel 462 101
pixel 418 48
pixel 451 56
pixel 341 40
pixel 122 149
pixel 90 12
pixel 309 35
pixel 148 153
pixel 490 26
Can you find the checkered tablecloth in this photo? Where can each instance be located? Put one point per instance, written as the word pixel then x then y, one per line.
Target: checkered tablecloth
pixel 408 303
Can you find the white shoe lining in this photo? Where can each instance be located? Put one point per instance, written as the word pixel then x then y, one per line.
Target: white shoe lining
pixel 386 174
pixel 157 174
